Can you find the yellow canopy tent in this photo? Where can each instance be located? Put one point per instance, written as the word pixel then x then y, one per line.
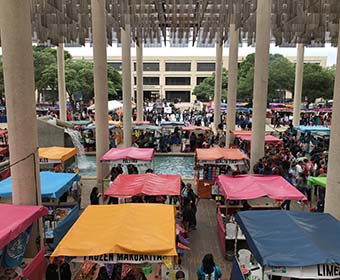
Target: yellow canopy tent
pixel 56 154
pixel 133 228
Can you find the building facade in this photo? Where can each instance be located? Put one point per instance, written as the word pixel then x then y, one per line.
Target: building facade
pixel 175 77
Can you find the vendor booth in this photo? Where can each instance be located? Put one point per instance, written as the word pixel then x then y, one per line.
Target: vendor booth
pixel 130 234
pixel 244 187
pixel 16 224
pixel 210 163
pixel 141 158
pixel 61 216
pixel 127 185
pixel 244 141
pixel 57 158
pixel 289 244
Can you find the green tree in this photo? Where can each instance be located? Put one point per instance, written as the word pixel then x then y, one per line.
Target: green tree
pixel 205 90
pixel 317 82
pixel 281 76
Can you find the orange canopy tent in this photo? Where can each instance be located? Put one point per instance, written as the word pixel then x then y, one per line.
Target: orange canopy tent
pixel 214 154
pixel 133 229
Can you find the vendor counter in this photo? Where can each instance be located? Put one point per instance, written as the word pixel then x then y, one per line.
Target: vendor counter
pixel 57 223
pixel 227 238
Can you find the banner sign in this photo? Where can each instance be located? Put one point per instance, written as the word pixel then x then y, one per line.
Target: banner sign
pixel 221 162
pixel 129 161
pixel 121 258
pixel 48 161
pixel 320 271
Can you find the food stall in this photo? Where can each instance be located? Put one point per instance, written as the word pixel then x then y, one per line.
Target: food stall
pixel 57 158
pixel 130 234
pixel 244 187
pixel 290 244
pixel 244 141
pixel 210 163
pixel 142 158
pixel 61 216
pixel 127 185
pixel 16 225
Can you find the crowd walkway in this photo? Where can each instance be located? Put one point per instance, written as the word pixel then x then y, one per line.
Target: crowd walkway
pixel 204 240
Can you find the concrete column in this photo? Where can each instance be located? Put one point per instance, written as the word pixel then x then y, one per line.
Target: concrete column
pixel 162 78
pixel 232 82
pixel 218 84
pixel 298 83
pixel 139 73
pixel 100 83
pixel 61 82
pixel 126 73
pixel 333 175
pixel 260 80
pixel 16 40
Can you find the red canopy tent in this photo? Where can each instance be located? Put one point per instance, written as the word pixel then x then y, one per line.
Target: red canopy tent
pixel 127 185
pixel 194 127
pixel 250 186
pixel 15 219
pixel 255 186
pixel 131 153
pixel 268 139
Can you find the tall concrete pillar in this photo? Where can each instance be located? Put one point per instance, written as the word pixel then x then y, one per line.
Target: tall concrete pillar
pixel 298 84
pixel 100 83
pixel 126 73
pixel 232 82
pixel 16 40
pixel 218 83
pixel 61 82
pixel 260 80
pixel 139 70
pixel 333 174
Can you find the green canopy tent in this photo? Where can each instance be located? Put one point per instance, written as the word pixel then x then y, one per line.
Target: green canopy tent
pixel 317 181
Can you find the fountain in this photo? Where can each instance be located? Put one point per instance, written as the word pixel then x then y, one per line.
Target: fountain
pixel 83 162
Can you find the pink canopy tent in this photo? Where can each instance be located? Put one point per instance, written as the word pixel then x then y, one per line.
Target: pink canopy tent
pixel 127 185
pixel 255 186
pixel 140 122
pixel 131 153
pixel 15 219
pixel 194 127
pixel 268 139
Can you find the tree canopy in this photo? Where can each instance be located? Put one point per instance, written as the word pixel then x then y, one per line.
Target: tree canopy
pixel 78 76
pixel 317 82
pixel 205 90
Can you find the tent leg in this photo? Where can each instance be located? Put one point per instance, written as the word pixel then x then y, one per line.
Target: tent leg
pixel 236 234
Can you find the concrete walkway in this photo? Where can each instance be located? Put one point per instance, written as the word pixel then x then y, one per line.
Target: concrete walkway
pixel 204 240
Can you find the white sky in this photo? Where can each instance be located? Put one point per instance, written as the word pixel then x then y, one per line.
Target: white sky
pixel 328 51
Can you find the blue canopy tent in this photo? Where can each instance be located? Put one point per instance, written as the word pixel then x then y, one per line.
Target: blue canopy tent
pixel 311 129
pixel 53 185
pixel 172 123
pixel 302 243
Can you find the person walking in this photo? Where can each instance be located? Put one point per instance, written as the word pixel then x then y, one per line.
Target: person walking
pixel 208 270
pixel 94 197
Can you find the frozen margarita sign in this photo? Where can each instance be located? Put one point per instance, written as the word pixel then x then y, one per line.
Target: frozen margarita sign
pixel 320 271
pixel 121 258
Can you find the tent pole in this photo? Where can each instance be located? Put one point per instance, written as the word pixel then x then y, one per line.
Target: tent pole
pixel 236 234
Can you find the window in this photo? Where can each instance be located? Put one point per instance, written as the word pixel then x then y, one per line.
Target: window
pixel 177 81
pixel 151 66
pixel 183 96
pixel 148 81
pixel 206 67
pixel 176 67
pixel 116 65
pixel 200 80
pixel 148 66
